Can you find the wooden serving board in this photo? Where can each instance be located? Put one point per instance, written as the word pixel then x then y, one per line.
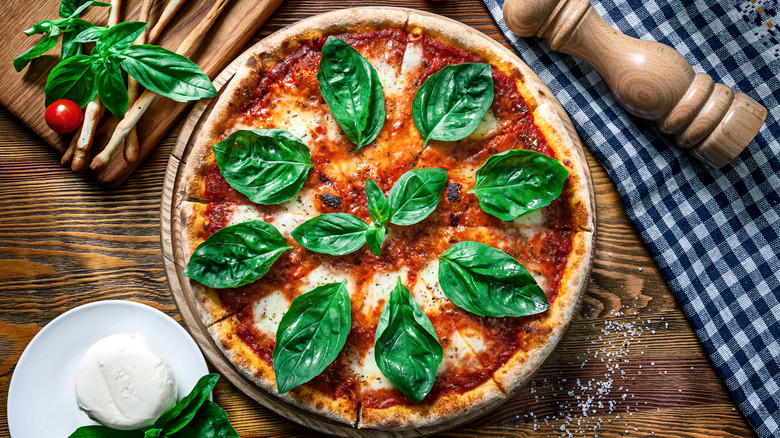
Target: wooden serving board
pixel 173 261
pixel 22 93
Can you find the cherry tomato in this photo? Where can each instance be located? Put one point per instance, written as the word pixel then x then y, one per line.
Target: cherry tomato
pixel 64 116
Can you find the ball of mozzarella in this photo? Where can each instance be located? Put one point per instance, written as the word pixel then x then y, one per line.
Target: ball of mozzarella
pixel 123 382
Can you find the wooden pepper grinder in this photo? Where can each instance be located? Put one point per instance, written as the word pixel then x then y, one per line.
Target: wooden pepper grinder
pixel 649 79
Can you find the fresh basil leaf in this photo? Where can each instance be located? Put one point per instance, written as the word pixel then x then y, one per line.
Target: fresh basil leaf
pixel 351 87
pixel 378 205
pixel 488 282
pixel 375 235
pixel 515 182
pixel 407 349
pixel 211 421
pixel 415 195
pixel 332 233
pixel 44 45
pixel 236 255
pixel 153 433
pixel 451 103
pixel 69 46
pixel 71 8
pixel 71 79
pixel 167 73
pixel 91 34
pixel 111 87
pixel 311 334
pixel 118 38
pixel 104 432
pixel 178 415
pixel 269 166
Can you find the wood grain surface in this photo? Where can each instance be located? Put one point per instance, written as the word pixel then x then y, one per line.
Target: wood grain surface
pixel 22 93
pixel 629 365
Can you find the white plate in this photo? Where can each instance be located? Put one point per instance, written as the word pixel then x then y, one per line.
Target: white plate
pixel 41 397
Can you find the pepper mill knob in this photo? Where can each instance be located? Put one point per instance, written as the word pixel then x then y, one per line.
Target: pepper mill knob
pixel 649 79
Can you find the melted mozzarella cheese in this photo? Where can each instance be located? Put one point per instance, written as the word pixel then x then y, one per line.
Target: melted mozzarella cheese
pixel 268 312
pixel 370 375
pixel 244 213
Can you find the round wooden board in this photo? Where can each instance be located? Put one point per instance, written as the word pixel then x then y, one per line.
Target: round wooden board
pixel 173 257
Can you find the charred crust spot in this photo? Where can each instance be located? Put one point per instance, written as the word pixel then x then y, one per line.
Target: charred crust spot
pixel 454 219
pixel 453 192
pixel 251 61
pixel 330 201
pixel 324 178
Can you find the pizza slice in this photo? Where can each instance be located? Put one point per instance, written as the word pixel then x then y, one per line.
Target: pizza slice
pixel 248 338
pixel 461 381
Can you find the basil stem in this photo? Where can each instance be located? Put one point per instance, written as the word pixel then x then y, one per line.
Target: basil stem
pixel 332 233
pixel 407 349
pixel 351 87
pixel 488 282
pixel 451 103
pixel 269 166
pixel 311 334
pixel 415 195
pixel 236 255
pixel 516 182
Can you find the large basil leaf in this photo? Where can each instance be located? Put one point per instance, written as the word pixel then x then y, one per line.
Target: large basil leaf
pixel 332 233
pixel 407 349
pixel 488 282
pixel 351 87
pixel 118 38
pixel 451 103
pixel 236 255
pixel 111 86
pixel 177 416
pixel 46 42
pixel 515 182
pixel 375 235
pixel 210 421
pixel 71 79
pixel 415 195
pixel 269 166
pixel 167 73
pixel 378 205
pixel 311 334
pixel 104 432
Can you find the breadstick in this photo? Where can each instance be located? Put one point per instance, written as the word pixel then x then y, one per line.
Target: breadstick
pixel 131 142
pixel 93 112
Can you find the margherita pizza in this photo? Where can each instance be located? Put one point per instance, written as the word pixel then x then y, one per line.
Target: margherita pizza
pixel 386 221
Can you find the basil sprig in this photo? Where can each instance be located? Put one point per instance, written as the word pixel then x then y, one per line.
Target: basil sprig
pixel 351 87
pixel 311 334
pixel 488 282
pixel 103 71
pixel 516 182
pixel 69 26
pixel 413 197
pixel 332 233
pixel 407 349
pixel 193 416
pixel 269 166
pixel 236 255
pixel 451 103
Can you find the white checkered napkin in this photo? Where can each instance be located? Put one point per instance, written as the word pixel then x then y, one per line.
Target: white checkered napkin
pixel 715 234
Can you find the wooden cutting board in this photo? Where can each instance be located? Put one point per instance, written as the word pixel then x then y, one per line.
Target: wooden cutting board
pixel 22 93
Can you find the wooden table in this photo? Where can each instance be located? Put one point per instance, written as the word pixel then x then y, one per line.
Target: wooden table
pixel 629 365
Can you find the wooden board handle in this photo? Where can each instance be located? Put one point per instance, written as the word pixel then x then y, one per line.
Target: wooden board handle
pixel 649 79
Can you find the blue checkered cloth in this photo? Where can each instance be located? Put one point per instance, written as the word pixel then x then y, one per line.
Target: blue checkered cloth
pixel 713 233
